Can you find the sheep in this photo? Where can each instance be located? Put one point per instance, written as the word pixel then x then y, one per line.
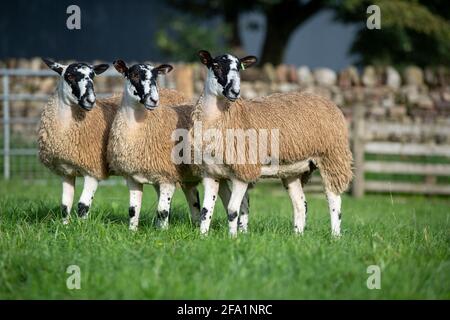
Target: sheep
pixel 73 133
pixel 312 133
pixel 140 143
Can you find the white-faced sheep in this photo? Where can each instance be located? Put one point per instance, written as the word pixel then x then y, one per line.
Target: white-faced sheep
pixel 73 133
pixel 140 145
pixel 312 133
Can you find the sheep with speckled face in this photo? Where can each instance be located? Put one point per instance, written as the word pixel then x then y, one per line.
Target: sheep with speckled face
pixel 73 133
pixel 140 143
pixel 312 134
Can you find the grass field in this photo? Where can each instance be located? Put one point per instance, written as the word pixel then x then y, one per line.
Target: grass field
pixel 408 237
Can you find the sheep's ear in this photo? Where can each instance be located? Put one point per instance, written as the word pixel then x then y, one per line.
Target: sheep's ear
pixel 121 66
pixel 205 57
pixel 100 68
pixel 162 69
pixel 247 62
pixel 58 68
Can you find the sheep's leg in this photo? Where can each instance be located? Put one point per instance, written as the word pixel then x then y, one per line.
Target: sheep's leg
pixel 211 189
pixel 68 190
pixel 166 191
pixel 243 216
pixel 238 190
pixel 134 209
pixel 334 204
pixel 295 190
pixel 225 194
pixel 89 188
pixel 193 199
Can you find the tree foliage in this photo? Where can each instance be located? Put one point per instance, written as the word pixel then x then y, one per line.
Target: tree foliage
pixel 412 32
pixel 182 37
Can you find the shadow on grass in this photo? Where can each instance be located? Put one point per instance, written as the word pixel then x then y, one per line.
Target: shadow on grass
pixel 147 218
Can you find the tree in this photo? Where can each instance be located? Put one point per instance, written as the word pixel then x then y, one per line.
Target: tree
pixel 413 31
pixel 282 19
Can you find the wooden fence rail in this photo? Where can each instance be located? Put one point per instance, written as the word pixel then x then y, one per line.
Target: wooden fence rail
pixel 362 132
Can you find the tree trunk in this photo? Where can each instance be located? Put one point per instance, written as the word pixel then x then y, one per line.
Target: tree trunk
pixel 275 43
pixel 231 18
pixel 282 19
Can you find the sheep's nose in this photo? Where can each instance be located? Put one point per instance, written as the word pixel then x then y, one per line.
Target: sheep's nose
pixel 91 99
pixel 236 93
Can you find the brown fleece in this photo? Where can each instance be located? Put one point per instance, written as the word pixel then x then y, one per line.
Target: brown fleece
pixel 81 143
pixel 310 127
pixel 145 148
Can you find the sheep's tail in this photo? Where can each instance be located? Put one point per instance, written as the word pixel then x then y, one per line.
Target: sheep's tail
pixel 336 169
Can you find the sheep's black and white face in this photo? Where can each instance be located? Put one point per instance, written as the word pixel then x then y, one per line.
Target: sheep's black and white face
pixel 78 81
pixel 141 82
pixel 223 73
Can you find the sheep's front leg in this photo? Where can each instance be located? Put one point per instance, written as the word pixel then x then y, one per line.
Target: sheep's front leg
pixel 166 191
pixel 211 189
pixel 193 199
pixel 243 215
pixel 225 195
pixel 238 189
pixel 334 205
pixel 134 209
pixel 295 190
pixel 89 188
pixel 68 190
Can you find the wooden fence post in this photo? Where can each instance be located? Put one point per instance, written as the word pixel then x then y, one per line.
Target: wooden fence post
pixel 358 149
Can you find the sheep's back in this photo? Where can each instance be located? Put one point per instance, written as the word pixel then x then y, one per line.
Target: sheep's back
pixel 309 126
pixel 145 149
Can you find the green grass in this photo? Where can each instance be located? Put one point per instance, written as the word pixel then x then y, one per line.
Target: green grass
pixel 408 237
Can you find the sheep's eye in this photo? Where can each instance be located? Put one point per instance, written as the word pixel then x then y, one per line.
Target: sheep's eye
pixel 135 76
pixel 70 77
pixel 215 66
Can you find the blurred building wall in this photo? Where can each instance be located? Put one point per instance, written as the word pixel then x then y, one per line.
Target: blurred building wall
pixel 109 29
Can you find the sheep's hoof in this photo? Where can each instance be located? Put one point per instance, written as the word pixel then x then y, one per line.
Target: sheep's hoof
pixel 83 210
pixel 163 225
pixel 162 219
pixel 203 235
pixel 133 227
pixel 242 228
pixel 195 220
pixel 298 231
pixel 204 228
pixel 336 235
pixel 65 221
